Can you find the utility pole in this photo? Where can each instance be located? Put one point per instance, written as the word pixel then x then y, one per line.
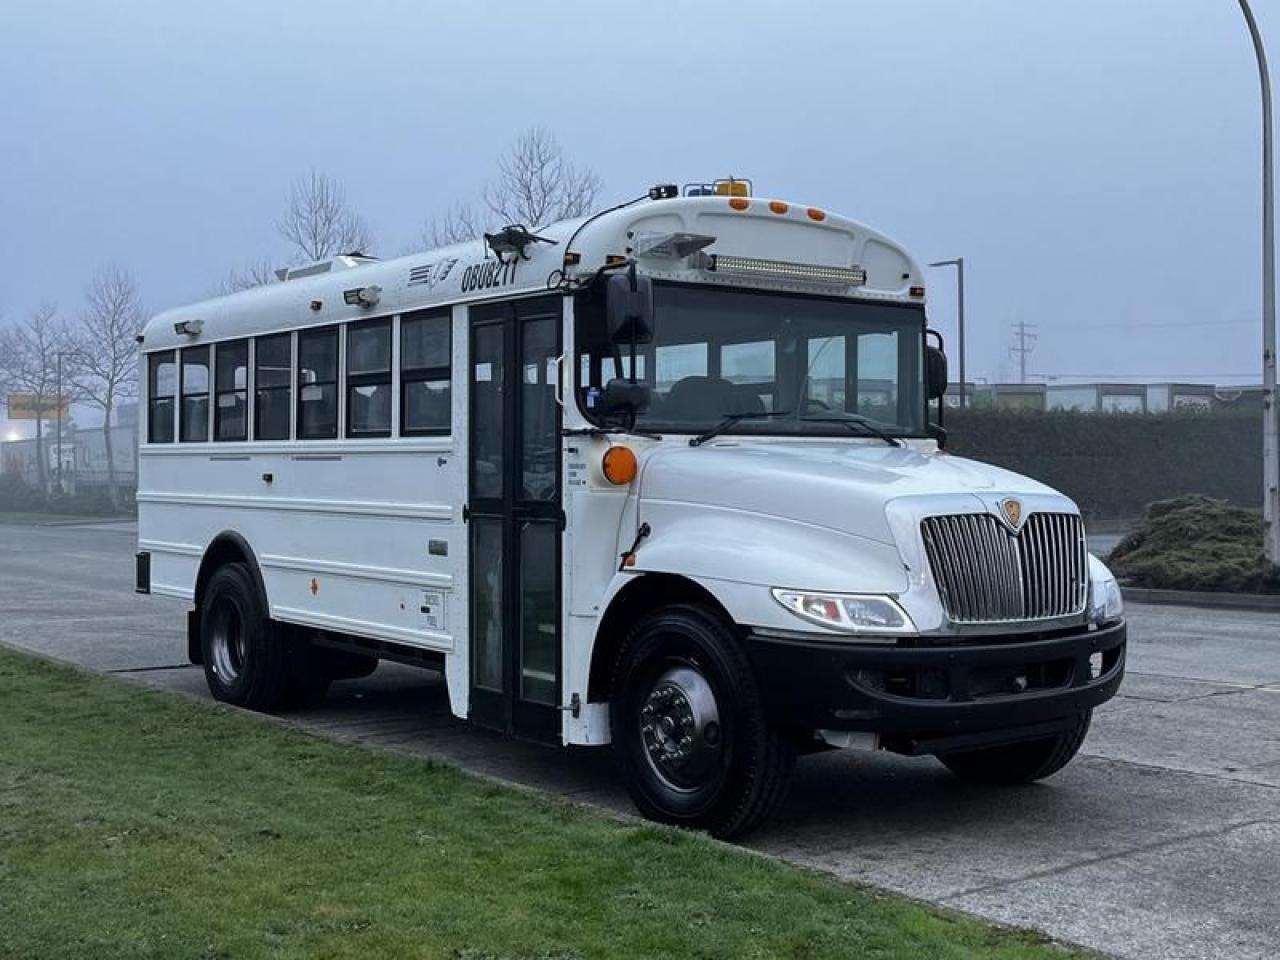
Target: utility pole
pixel 1270 408
pixel 1024 345
pixel 958 263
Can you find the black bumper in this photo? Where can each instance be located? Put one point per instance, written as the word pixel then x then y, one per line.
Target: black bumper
pixel 943 696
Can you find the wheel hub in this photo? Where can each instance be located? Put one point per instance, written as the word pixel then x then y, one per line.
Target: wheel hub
pixel 228 644
pixel 680 728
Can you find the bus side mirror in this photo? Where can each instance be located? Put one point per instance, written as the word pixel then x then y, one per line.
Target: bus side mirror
pixel 625 397
pixel 630 311
pixel 935 368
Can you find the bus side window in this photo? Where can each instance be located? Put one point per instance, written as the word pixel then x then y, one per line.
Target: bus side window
pixel 425 348
pixel 272 381
pixel 194 425
pixel 369 378
pixel 318 384
pixel 162 385
pixel 231 391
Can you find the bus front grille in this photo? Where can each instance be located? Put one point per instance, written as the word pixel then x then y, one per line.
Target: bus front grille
pixel 986 573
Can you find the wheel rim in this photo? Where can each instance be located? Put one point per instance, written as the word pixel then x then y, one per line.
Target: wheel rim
pixel 680 729
pixel 227 642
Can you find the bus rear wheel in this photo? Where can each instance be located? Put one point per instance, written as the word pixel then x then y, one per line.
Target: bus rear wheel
pixel 689 726
pixel 246 659
pixel 1020 762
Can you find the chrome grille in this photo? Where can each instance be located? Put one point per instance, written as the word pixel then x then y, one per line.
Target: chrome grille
pixel 985 573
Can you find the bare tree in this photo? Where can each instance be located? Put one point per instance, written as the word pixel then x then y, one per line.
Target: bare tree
pixel 29 354
pixel 537 185
pixel 318 221
pixel 455 225
pixel 106 348
pixel 257 273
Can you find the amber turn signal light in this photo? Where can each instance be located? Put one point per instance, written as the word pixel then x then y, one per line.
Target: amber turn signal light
pixel 619 465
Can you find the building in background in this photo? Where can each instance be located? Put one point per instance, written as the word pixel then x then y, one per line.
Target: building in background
pixel 1154 398
pixel 83 456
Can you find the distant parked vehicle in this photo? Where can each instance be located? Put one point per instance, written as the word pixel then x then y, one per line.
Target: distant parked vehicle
pixel 663 477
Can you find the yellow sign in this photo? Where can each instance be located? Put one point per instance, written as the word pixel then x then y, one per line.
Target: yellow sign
pixel 28 406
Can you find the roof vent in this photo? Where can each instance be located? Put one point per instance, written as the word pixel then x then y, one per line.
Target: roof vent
pixel 343 261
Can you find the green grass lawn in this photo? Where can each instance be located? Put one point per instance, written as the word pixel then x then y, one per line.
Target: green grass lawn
pixel 136 823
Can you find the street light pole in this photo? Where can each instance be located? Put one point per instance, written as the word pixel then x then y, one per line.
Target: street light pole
pixel 57 412
pixel 958 263
pixel 1271 412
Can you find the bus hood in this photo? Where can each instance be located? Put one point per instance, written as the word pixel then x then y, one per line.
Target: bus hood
pixel 842 486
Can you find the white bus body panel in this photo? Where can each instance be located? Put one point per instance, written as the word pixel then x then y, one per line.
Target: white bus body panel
pixel 342 529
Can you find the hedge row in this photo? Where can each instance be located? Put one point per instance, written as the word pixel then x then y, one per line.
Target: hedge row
pixel 1113 465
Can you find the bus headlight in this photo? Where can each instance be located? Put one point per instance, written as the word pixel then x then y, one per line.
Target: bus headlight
pixel 852 613
pixel 1106 604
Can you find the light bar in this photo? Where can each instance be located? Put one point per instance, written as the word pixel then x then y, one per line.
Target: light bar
pixel 815 272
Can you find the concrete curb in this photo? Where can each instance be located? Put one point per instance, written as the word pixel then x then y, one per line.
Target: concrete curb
pixel 1259 602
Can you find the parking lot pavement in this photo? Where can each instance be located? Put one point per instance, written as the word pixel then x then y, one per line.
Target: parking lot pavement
pixel 1161 841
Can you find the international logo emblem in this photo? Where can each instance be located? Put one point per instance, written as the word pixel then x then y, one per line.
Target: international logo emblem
pixel 1011 512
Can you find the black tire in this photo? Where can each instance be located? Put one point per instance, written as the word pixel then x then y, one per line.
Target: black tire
pixel 1020 762
pixel 735 774
pixel 246 656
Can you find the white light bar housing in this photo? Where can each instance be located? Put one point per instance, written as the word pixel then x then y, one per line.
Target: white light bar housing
pixel 787 270
pixel 671 246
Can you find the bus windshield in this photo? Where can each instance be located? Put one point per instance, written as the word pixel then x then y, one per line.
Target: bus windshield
pixel 783 364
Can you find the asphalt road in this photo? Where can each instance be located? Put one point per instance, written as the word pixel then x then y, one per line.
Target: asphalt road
pixel 1161 840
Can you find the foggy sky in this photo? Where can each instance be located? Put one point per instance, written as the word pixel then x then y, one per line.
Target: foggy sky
pixel 1096 162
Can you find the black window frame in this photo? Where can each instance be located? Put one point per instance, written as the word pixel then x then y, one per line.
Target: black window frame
pixel 316 333
pixel 220 350
pixel 426 374
pixel 183 396
pixel 258 389
pixel 154 362
pixel 377 378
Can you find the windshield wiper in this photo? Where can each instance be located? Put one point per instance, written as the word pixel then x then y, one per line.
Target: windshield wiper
pixel 854 420
pixel 730 419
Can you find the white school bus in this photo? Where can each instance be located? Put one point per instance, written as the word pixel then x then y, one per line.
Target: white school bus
pixel 662 478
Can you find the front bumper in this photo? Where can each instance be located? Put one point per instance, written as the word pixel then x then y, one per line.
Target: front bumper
pixel 937 696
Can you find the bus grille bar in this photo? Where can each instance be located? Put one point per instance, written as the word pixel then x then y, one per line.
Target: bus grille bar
pixel 987 574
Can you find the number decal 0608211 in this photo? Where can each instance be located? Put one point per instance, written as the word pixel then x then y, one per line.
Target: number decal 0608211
pixel 487 274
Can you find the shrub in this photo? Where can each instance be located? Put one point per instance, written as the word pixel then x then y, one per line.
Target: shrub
pixel 1197 543
pixel 16 495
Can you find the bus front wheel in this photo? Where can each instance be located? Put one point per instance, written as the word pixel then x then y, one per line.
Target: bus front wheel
pixel 246 659
pixel 690 729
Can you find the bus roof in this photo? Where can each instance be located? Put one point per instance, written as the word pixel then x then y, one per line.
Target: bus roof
pixel 771 244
